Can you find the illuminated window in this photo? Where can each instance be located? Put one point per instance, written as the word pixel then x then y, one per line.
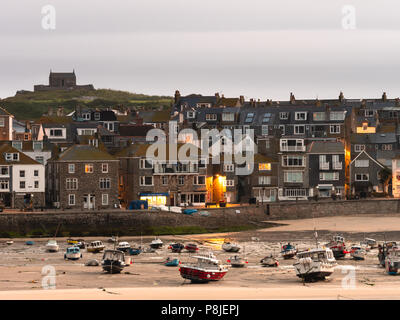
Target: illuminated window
pixel 264 166
pixel 88 168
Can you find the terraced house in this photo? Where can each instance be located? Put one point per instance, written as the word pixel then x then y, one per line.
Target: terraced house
pixel 82 177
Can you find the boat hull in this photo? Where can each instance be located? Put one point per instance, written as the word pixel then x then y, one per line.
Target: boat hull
pixel 72 256
pixel 134 252
pixel 112 267
pixel 52 248
pixel 156 245
pixel 315 276
pixel 196 275
pixel 95 250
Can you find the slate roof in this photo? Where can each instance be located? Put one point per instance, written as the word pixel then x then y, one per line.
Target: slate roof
pixel 134 130
pixel 84 153
pixel 23 158
pixel 321 147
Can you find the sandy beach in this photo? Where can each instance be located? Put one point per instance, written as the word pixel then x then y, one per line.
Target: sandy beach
pixel 147 278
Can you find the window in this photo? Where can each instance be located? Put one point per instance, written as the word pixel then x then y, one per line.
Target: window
pixel 15 156
pixel 164 180
pixel 4 171
pixel 97 116
pixel 40 159
pixel 264 166
pixel 336 115
pixel 202 164
pixel 319 116
pixel 71 168
pixel 12 156
pixel 282 128
pixel 86 132
pixel 295 192
pixel 293 176
pixel 71 199
pixel 71 184
pixel 146 181
pixel 1 122
pixel 229 183
pixel 3 184
pixel 22 173
pixel 283 115
pixel 359 147
pixel 362 163
pixel 199 198
pixel 299 129
pixel 229 167
pixel 56 133
pixel 267 144
pixel 300 116
pixel 88 168
pixel 387 147
pixel 17 145
pixel 328 176
pixel 37 145
pixel 249 117
pixel 22 184
pixel 86 116
pixel 228 116
pixel 264 180
pixel 36 173
pixel 36 184
pixel 334 128
pixel 105 183
pixel 199 180
pixel 104 167
pixel 267 117
pixel 293 161
pixel 211 116
pixel 181 180
pixel 323 164
pixel 362 177
pixel 190 114
pixel 104 199
pixel 369 113
pixel 264 130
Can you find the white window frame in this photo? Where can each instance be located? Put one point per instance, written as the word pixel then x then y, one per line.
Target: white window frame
pixel 286 175
pixel 191 114
pixel 70 183
pixel 323 176
pixel 337 115
pixel 264 180
pixel 71 196
pixel 104 183
pixel 283 115
pixel 297 115
pixel 2 122
pixel 334 128
pixel 359 147
pixel 264 130
pixel 196 180
pixel 361 174
pixel 364 163
pixel 104 165
pixel 229 167
pixel 211 116
pixel 297 127
pixel 104 196
pixel 142 180
pixel 229 183
pixel 71 166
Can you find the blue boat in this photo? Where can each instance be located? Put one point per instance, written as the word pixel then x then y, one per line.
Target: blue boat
pixel 171 263
pixel 30 243
pixel 176 247
pixel 135 251
pixel 189 211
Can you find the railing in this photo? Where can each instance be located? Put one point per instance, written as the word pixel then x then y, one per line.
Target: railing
pixel 293 148
pixel 337 165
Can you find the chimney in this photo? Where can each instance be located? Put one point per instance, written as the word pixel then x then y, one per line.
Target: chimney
pixel 28 126
pixel 317 102
pixel 384 97
pixel 60 112
pixel 50 111
pixel 269 102
pixel 241 99
pixel 177 96
pixel 292 98
pixel 397 102
pixel 217 96
pixel 341 96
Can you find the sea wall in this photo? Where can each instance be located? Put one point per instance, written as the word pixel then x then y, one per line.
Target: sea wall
pixel 124 222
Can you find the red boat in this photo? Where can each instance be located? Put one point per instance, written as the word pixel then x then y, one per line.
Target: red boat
pixel 207 268
pixel 191 247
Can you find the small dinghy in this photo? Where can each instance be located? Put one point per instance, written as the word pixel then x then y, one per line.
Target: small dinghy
pixel 358 253
pixel 134 251
pixel 369 242
pixel 9 242
pixel 191 247
pixel 124 246
pixel 92 263
pixel 338 247
pixel 113 261
pixel 171 262
pixel 237 262
pixel 156 244
pixel 52 246
pixel 176 247
pixel 269 261
pixel 189 211
pixel 288 251
pixel 30 243
pixel 230 247
pixel 95 247
pixel 73 253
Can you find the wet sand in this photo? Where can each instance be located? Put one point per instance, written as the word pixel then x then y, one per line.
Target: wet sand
pixel 147 278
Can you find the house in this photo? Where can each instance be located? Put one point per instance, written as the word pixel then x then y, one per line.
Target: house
pixel 326 160
pixel 82 177
pixel 39 151
pixel 6 125
pixel 22 179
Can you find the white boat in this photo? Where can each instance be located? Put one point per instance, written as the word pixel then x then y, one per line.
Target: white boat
pixel 269 261
pixel 230 247
pixel 368 242
pixel 52 246
pixel 95 247
pixel 123 246
pixel 9 242
pixel 113 261
pixel 156 244
pixel 237 261
pixel 358 252
pixel 315 264
pixel 392 260
pixel 73 253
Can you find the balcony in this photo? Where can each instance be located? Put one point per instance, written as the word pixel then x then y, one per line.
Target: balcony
pixel 324 166
pixel 337 166
pixel 293 148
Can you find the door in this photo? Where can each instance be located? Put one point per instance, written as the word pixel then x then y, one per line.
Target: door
pixel 88 201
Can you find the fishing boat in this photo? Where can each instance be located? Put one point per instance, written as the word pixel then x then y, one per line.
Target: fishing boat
pixel 315 264
pixel 171 262
pixel 288 251
pixel 113 261
pixel 191 247
pixel 392 260
pixel 230 247
pixel 52 246
pixel 124 246
pixel 72 241
pixel 73 253
pixel 134 251
pixel 338 247
pixel 358 253
pixel 176 247
pixel 383 251
pixel 369 242
pixel 207 268
pixel 9 242
pixel 95 247
pixel 269 261
pixel 30 243
pixel 80 244
pixel 237 262
pixel 156 244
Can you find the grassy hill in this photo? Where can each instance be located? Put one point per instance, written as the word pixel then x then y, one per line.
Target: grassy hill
pixel 31 105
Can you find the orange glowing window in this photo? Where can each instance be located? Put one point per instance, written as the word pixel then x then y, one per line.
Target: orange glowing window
pixel 88 168
pixel 264 166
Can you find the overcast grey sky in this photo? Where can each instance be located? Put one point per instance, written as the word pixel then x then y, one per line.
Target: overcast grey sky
pixel 256 48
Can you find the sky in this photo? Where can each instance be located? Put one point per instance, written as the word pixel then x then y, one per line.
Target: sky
pixel 260 49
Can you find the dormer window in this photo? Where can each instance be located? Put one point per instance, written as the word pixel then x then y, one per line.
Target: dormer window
pixel 190 114
pixel 86 116
pixel 1 122
pixel 97 116
pixel 17 145
pixel 12 156
pixel 369 113
pixel 283 115
pixel 56 133
pixel 300 116
pixel 211 116
pixel 249 117
pixel 267 117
